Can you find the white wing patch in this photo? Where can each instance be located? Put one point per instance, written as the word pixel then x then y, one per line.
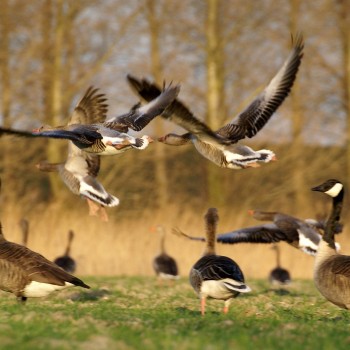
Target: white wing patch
pixel 306 244
pixel 37 289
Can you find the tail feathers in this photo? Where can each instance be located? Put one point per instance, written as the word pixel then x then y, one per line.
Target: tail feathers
pixel 265 155
pixel 139 143
pixel 78 282
pixel 237 286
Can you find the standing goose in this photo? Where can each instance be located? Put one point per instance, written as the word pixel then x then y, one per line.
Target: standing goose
pixel 246 124
pixel 65 261
pixel 164 265
pixel 297 233
pixel 27 274
pixel 24 224
pixel 332 270
pixel 216 276
pixel 94 135
pixel 279 275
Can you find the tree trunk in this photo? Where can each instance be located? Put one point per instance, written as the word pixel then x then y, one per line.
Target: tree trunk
pixel 215 95
pixel 156 69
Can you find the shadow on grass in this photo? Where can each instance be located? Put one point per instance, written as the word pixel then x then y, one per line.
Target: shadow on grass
pixel 92 295
pixel 184 311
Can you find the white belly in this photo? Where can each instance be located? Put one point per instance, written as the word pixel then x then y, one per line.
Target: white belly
pixel 37 289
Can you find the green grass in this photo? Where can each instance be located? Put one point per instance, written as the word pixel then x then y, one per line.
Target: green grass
pixel 138 313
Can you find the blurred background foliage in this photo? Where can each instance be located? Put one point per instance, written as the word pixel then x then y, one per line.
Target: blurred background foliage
pixel 222 53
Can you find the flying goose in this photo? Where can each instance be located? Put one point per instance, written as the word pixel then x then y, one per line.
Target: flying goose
pixel 279 275
pixel 332 270
pixel 289 229
pixel 65 261
pixel 28 274
pixel 246 124
pixel 216 276
pixel 164 265
pixel 24 224
pixel 89 130
pixel 79 173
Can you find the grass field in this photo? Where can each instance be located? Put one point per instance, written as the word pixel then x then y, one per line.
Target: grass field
pixel 138 313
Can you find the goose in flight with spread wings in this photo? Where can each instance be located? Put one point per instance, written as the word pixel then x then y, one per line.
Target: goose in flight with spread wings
pixel 90 132
pixel 248 123
pixel 296 232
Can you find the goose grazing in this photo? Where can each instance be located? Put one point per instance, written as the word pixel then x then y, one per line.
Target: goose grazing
pixel 279 275
pixel 65 261
pixel 24 224
pixel 297 233
pixel 219 147
pixel 164 265
pixel 332 270
pixel 89 130
pixel 79 173
pixel 27 274
pixel 216 276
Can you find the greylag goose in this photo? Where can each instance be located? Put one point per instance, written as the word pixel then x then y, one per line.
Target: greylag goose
pixel 297 233
pixel 332 270
pixel 28 274
pixel 24 224
pixel 164 265
pixel 65 261
pixel 216 276
pixel 79 173
pixel 89 131
pixel 279 275
pixel 246 124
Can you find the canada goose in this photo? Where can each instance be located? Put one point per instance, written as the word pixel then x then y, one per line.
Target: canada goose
pixel 89 131
pixel 65 261
pixel 289 229
pixel 247 124
pixel 164 265
pixel 216 276
pixel 24 224
pixel 27 274
pixel 332 270
pixel 79 173
pixel 279 275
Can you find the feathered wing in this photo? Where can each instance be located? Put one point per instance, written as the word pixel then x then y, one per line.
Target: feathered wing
pixel 139 116
pixel 90 109
pixel 249 122
pixel 35 266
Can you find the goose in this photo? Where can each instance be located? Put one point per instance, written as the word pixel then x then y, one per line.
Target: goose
pixel 89 130
pixel 164 265
pixel 24 224
pixel 331 269
pixel 28 274
pixel 246 124
pixel 79 173
pixel 279 275
pixel 65 261
pixel 216 276
pixel 289 229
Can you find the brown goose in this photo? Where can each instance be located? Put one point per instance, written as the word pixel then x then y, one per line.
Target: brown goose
pixel 65 261
pixel 298 233
pixel 79 173
pixel 332 270
pixel 247 124
pixel 216 276
pixel 89 131
pixel 24 224
pixel 27 274
pixel 164 265
pixel 279 275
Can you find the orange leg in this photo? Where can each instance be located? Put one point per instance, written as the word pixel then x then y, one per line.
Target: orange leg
pixel 203 305
pixel 225 309
pixel 93 207
pixel 103 214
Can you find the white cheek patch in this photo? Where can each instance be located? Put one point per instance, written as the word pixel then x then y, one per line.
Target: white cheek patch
pixel 37 289
pixel 334 191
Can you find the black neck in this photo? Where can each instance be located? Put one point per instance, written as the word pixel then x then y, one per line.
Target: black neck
pixel 334 219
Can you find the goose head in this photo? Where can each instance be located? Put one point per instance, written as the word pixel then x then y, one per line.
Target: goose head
pixel 331 187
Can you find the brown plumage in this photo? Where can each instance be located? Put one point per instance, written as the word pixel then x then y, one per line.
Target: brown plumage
pixel 332 270
pixel 26 273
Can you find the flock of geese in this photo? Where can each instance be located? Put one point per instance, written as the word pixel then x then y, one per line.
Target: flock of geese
pixel 91 135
